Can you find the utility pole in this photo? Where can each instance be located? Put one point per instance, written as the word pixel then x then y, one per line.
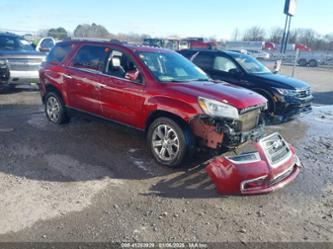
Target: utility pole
pixel 289 11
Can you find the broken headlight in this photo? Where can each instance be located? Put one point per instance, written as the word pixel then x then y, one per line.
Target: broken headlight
pixel 218 109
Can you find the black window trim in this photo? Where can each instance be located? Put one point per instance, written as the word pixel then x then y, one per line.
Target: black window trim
pixel 103 72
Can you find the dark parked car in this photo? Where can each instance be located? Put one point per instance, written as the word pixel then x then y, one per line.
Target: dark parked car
pixel 4 72
pixel 286 96
pixel 21 58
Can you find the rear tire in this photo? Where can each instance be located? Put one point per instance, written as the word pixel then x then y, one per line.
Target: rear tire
pixel 170 142
pixel 302 62
pixel 55 109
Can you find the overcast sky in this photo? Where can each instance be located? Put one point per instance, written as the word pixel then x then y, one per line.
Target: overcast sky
pixel 217 18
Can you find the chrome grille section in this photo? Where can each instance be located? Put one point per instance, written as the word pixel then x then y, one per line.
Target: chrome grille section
pixel 249 120
pixel 282 176
pixel 276 149
pixel 24 64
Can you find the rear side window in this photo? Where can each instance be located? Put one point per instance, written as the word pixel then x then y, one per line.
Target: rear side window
pixel 91 57
pixel 58 53
pixel 204 60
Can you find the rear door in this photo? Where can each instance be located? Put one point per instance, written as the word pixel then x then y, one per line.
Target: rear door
pixel 83 78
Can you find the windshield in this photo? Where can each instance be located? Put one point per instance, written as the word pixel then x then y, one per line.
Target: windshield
pixel 11 43
pixel 171 67
pixel 250 64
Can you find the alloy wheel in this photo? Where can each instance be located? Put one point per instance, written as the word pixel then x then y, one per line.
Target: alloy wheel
pixel 53 109
pixel 165 142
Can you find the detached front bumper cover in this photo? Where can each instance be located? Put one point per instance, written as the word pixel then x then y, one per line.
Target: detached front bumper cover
pixel 274 165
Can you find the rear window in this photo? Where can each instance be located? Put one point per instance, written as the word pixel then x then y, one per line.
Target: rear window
pixel 91 57
pixel 58 53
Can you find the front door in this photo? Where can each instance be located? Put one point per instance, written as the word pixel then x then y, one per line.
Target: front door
pixel 122 94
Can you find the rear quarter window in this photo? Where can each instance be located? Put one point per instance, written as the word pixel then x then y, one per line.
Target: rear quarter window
pixel 58 53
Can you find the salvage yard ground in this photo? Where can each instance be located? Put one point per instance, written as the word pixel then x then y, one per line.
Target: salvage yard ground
pixel 94 181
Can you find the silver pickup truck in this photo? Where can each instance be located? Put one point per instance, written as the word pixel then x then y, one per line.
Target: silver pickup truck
pixel 21 58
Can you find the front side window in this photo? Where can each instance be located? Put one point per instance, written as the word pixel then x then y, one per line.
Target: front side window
pixel 223 64
pixel 12 43
pixel 121 65
pixel 91 57
pixel 250 64
pixel 172 67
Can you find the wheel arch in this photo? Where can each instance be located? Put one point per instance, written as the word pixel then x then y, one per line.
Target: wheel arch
pixel 162 113
pixel 52 88
pixel 268 95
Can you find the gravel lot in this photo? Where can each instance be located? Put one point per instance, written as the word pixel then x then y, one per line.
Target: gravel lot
pixel 95 181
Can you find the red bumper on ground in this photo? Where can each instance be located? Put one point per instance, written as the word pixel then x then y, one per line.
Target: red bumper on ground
pixel 256 172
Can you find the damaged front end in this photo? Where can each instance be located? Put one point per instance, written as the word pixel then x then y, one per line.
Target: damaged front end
pixel 273 165
pixel 217 133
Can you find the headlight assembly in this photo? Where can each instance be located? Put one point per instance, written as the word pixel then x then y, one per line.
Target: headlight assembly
pixel 218 109
pixel 3 62
pixel 286 92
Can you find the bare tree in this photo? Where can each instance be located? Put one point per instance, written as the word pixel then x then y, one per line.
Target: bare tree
pixel 276 35
pixel 235 34
pixel 255 33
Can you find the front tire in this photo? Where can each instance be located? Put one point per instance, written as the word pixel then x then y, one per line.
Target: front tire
pixel 169 142
pixel 55 109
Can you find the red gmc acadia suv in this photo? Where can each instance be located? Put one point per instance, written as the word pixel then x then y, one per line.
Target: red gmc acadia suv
pixel 154 90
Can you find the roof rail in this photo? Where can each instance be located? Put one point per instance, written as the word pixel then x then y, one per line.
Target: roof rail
pixel 115 41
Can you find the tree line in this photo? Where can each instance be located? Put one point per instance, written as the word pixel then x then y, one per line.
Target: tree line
pixel 92 31
pixel 309 37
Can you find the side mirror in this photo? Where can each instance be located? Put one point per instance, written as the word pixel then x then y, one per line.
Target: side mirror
pixel 234 71
pixel 132 75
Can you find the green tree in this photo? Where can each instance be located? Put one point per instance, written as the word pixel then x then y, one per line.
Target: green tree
pixel 58 33
pixel 92 31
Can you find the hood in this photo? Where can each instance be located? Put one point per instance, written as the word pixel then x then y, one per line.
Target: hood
pixel 236 96
pixel 281 81
pixel 21 53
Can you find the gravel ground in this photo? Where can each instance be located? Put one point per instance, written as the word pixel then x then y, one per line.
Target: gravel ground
pixel 95 181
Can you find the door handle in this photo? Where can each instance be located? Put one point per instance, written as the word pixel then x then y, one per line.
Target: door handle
pixel 99 85
pixel 68 76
